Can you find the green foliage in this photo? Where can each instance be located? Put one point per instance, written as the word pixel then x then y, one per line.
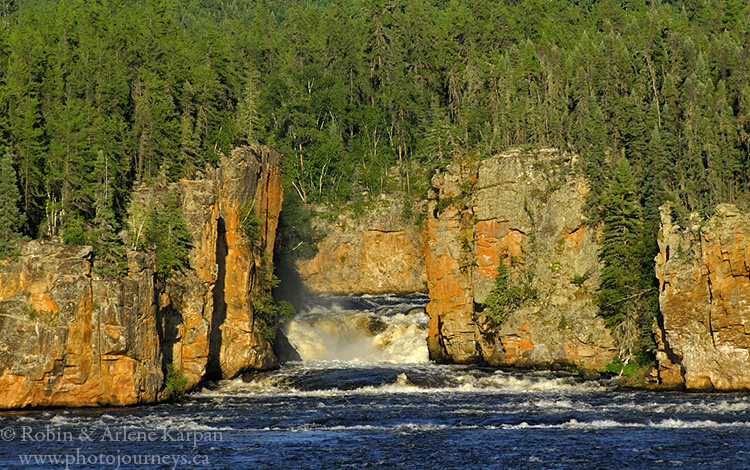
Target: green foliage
pixel 629 368
pixel 73 230
pixel 444 203
pixel 166 233
pixel 407 209
pixel 267 315
pixel 508 294
pixel 297 238
pixel 11 218
pixel 175 381
pixel 625 285
pixel 359 96
pixel 109 254
pixel 250 223
pixel 580 279
pixel 634 371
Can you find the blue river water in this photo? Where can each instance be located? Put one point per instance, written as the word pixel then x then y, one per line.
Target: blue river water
pixel 374 412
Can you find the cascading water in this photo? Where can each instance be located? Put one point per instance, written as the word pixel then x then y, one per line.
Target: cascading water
pixel 363 329
pixel 364 395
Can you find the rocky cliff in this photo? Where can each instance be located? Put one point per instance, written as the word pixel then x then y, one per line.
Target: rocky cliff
pixel 703 267
pixel 377 252
pixel 72 337
pixel 523 209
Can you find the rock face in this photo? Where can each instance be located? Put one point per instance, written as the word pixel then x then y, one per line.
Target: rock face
pixel 526 210
pixel 72 337
pixel 208 324
pixel 379 252
pixel 704 289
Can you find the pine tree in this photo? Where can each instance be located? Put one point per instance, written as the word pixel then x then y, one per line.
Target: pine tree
pixel 247 108
pixel 11 218
pixel 27 134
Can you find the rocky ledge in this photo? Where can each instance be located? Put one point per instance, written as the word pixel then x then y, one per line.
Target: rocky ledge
pixel 377 252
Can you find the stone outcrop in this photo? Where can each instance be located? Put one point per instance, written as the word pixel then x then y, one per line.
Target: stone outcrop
pixel 526 210
pixel 70 336
pixel 375 253
pixel 208 324
pixel 703 267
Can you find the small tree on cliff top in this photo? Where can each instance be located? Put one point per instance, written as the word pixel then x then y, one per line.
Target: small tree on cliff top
pixel 166 231
pixel 11 218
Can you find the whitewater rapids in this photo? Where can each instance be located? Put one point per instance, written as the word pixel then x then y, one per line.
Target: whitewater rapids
pixel 363 329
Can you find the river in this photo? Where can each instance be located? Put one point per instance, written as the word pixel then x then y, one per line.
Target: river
pixel 363 395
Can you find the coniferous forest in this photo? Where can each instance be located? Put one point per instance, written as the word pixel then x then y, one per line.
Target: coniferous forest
pixel 370 96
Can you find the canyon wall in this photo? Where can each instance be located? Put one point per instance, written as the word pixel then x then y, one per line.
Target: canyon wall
pixel 377 252
pixel 703 267
pixel 70 336
pixel 525 209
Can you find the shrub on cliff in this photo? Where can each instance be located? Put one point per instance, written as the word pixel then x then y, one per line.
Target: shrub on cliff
pixel 508 294
pixel 296 239
pixel 268 312
pixel 175 381
pixel 251 223
pixel 11 218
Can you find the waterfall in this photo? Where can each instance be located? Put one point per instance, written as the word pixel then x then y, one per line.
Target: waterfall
pixel 363 329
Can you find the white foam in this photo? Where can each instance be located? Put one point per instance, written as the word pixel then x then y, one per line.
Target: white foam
pixel 699 424
pixel 378 335
pixel 611 424
pixel 723 407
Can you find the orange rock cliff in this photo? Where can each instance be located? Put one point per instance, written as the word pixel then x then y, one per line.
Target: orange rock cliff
pixel 527 206
pixel 72 337
pixel 375 253
pixel 524 209
pixel 703 269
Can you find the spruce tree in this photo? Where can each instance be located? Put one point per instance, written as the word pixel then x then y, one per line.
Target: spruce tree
pixel 621 283
pixel 11 218
pixel 109 252
pixel 166 232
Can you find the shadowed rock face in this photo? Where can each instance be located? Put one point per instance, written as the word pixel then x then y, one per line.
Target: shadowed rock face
pixel 703 269
pixel 73 337
pixel 218 334
pixel 527 207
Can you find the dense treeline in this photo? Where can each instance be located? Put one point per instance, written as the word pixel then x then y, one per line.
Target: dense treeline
pixel 99 96
pixel 366 96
